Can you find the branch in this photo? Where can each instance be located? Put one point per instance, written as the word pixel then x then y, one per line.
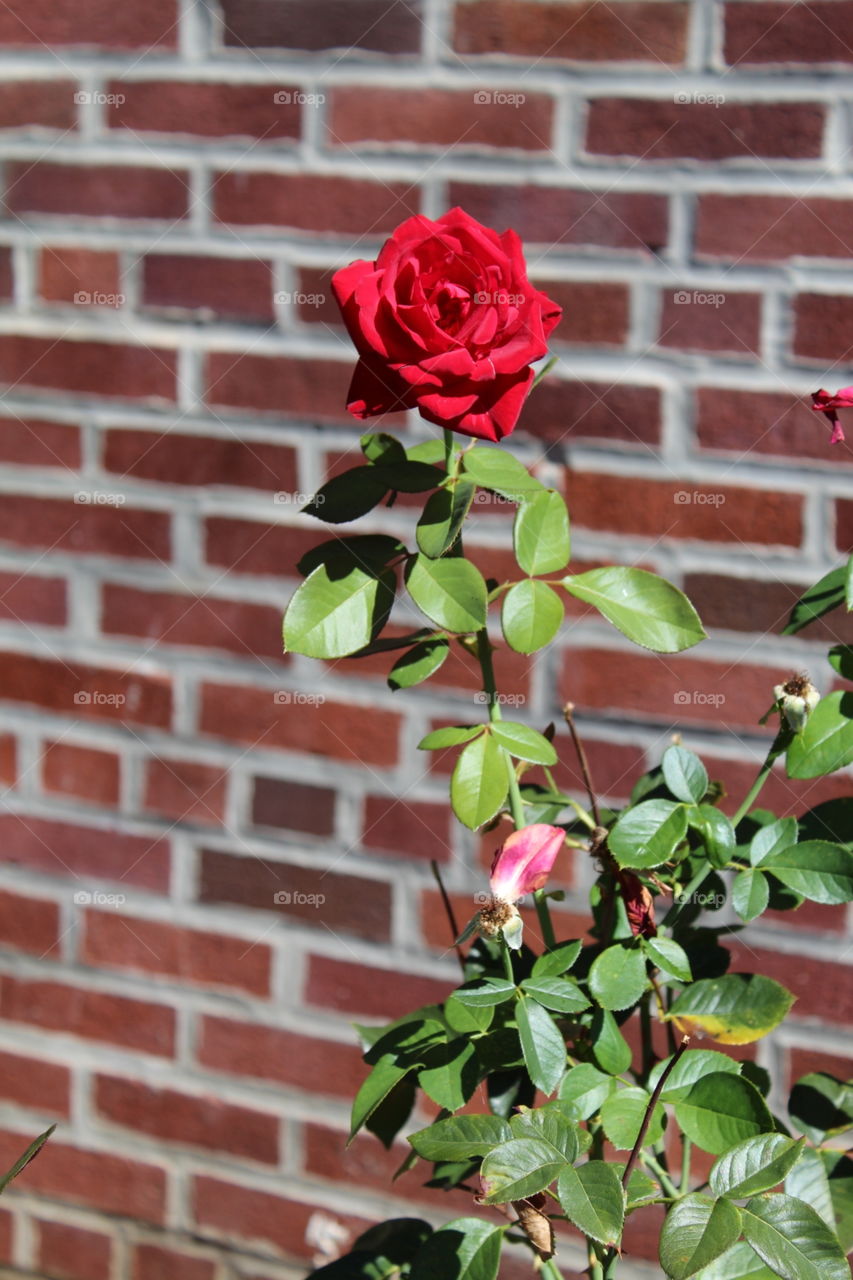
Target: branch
pixel 647 1118
pixel 448 907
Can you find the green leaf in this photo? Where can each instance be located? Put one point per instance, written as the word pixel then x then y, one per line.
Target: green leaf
pixel 583 1090
pixel 551 1124
pixel 736 1008
pixel 368 551
pixel 684 774
pixel 794 1242
pixel 443 518
pixel 458 1137
pixel 722 1109
pixel 840 658
pixel 450 1073
pixel 431 450
pixel 518 1169
pixel 622 1115
pixel 346 497
pixel 824 596
pixel 451 593
pixel 592 1197
pixel 479 784
pixel 820 1105
pixel 531 615
pixel 467 1018
pixel 772 838
pixel 560 960
pixel 541 534
pixel 523 743
pixel 21 1163
pixel 451 736
pixel 490 992
pixel 611 1049
pixel 819 870
pixel 756 1164
pixel 386 1120
pixel 826 742
pixel 750 893
pixel 669 956
pixel 542 1045
pixel 738 1263
pixel 421 661
pixel 648 834
pixel 410 477
pixel 690 1067
pixel 808 1180
pixel 716 831
pixel 378 446
pixel 558 994
pixel 617 977
pixel 465 1249
pixel 331 617
pixel 695 1232
pixel 499 471
pixel 645 608
pixel 385 1075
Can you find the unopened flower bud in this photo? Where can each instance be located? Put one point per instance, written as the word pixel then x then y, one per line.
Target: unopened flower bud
pixel 796 700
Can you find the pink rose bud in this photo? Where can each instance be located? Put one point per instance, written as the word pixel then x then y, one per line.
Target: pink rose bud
pixel 524 861
pixel 823 402
pixel 445 321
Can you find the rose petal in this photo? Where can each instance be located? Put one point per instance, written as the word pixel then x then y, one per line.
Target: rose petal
pixel 375 388
pixel 524 861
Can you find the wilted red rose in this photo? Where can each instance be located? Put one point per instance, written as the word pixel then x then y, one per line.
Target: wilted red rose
pixel 445 321
pixel 824 402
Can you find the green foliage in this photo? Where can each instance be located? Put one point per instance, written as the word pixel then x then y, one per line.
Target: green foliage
pixel 645 608
pixel 696 1231
pixel 592 1198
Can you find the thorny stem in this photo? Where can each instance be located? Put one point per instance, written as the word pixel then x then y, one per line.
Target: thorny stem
pixel 568 710
pixel 451 917
pixel 647 1118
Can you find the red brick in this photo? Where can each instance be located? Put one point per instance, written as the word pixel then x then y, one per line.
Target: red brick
pixel 566 411
pixel 86 773
pixel 38 104
pixel 785 797
pixel 340 730
pixel 74 850
pixel 441 118
pixel 28 924
pixel 31 443
pixel 172 458
pixel 844 524
pixel 656 508
pixel 293 806
pixel 670 129
pixel 778 32
pixel 97 191
pixel 318 305
pixel 802 1062
pixel 86 693
pixel 568 215
pixel 93 24
pixel 346 904
pixel 115 941
pixel 673 688
pixel 250 546
pixel 27 1082
pixel 299 388
pixel 71 1253
pixel 154 1262
pixel 7 279
pixel 374 25
pixel 711 320
pixel 317 1066
pixel 205 109
pixel 359 989
pixel 586 32
pixel 85 527
pixel 88 368
pixel 764 228
pixel 408 829
pixel 313 202
pixel 92 1015
pixel 614 766
pixel 185 790
pixel 27 598
pixel 235 626
pixel 745 604
pixel 8 759
pixel 595 312
pixel 66 273
pixel 194 1121
pixel 94 1179
pixel 7 1228
pixel 225 288
pixel 744 422
pixel 258 1217
pixel 823 988
pixel 822 327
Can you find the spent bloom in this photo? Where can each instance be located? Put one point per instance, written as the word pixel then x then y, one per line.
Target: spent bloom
pixel 521 866
pixel 823 402
pixel 796 700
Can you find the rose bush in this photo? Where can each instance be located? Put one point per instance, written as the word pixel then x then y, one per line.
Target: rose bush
pixel 445 321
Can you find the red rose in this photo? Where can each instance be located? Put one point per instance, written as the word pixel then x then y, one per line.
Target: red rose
pixel 447 322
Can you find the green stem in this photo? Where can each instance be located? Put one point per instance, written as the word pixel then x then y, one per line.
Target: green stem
pixel 647 1159
pixel 507 959
pixel 484 654
pixel 685 1163
pixel 449 446
pixel 780 743
pixel 545 922
pixel 549 1268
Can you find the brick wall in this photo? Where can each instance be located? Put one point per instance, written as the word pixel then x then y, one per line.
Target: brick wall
pixel 180 178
